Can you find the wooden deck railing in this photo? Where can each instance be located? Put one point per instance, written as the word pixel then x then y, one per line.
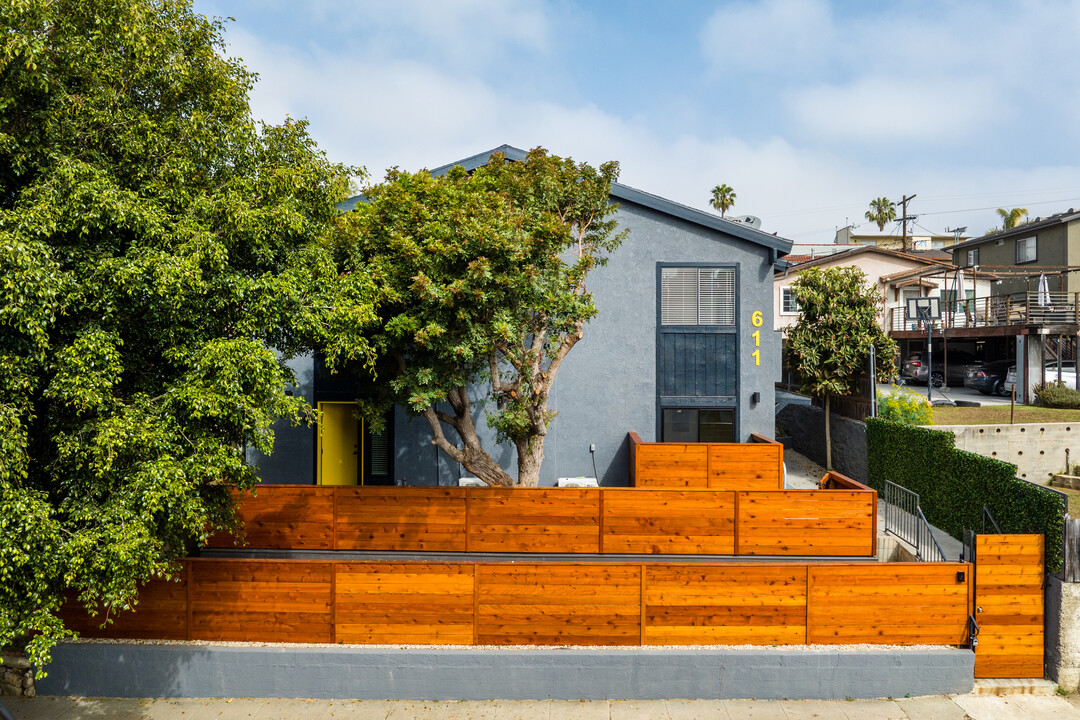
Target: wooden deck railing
pixel 1022 308
pixel 828 522
pixel 598 603
pixel 756 465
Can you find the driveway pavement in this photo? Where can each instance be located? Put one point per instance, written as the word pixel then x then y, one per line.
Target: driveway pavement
pixel 975 707
pixel 950 393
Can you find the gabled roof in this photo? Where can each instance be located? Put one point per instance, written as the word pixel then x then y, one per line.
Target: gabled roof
pixel 1021 230
pixel 625 193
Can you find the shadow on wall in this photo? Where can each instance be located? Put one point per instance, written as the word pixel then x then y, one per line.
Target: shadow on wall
pixel 806 426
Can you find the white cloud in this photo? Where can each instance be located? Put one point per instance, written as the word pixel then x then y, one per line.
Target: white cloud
pixel 464 32
pixel 936 72
pixel 891 109
pixel 773 36
pixel 418 114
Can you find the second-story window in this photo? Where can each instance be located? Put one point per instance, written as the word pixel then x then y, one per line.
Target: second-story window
pixel 697 296
pixel 972 257
pixel 788 304
pixel 1026 250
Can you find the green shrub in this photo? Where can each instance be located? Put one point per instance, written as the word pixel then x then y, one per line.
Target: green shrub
pixel 905 407
pixel 1057 395
pixel 954 485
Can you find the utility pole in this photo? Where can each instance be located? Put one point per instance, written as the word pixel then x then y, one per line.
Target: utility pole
pixel 904 220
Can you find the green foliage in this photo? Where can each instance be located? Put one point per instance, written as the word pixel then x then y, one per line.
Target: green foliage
pixel 149 236
pixel 954 485
pixel 1012 217
pixel 882 211
pixel 838 323
pixel 1057 395
pixel 482 278
pixel 904 407
pixel 723 199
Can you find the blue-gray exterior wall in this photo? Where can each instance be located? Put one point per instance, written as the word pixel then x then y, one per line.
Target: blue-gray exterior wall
pixel 608 385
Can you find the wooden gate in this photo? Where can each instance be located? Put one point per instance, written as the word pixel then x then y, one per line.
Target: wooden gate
pixel 1009 577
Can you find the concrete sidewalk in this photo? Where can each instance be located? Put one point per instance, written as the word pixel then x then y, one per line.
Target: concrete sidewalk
pixel 975 707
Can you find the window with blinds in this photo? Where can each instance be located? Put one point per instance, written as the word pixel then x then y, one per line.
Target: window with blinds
pixel 697 296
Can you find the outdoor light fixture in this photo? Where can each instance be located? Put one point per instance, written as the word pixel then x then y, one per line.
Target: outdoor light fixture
pixel 755 398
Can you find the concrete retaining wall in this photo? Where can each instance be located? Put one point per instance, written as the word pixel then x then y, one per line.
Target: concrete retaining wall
pixel 806 426
pixel 1063 632
pixel 1037 450
pixel 140 670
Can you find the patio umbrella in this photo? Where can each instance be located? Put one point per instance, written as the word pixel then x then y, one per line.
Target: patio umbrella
pixel 958 291
pixel 958 287
pixel 1044 291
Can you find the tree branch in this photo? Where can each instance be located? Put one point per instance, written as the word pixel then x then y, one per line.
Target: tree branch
pixel 439 438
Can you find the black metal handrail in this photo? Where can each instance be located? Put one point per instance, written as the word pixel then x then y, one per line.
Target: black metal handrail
pixel 987 515
pixel 904 518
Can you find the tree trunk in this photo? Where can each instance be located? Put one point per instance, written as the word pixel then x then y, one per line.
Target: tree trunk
pixel 530 458
pixel 828 434
pixel 472 456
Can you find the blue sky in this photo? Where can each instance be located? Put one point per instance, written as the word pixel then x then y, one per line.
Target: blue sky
pixel 808 109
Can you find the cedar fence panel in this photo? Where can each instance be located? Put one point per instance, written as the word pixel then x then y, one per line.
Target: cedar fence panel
pixel 160 614
pixel 690 522
pixel 261 600
pixel 756 465
pixel 724 604
pixel 889 603
pixel 298 517
pixel 807 522
pixel 401 519
pixel 554 603
pixel 558 604
pixel 422 603
pixel 551 520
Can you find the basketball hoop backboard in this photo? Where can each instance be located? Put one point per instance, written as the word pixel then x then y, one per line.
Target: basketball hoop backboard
pixel 923 308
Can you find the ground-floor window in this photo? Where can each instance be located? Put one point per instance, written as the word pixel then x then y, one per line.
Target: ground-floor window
pixel 697 425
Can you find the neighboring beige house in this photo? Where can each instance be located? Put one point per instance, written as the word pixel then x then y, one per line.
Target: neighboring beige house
pixel 894 274
pixel 847 236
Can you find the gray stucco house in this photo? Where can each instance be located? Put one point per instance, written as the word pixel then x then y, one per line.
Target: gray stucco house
pixel 682 349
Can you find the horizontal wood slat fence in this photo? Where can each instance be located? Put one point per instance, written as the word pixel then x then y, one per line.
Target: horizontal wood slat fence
pixel 838 522
pixel 550 603
pixel 756 465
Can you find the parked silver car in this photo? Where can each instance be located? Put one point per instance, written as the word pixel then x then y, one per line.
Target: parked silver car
pixel 916 369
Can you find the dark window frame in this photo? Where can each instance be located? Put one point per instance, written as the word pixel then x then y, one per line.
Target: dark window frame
pixel 1034 240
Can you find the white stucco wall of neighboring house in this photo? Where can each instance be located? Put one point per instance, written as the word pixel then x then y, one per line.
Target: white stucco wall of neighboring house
pixel 874 265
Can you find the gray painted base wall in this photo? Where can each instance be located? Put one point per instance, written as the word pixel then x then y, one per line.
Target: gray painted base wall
pixel 806 426
pixel 134 670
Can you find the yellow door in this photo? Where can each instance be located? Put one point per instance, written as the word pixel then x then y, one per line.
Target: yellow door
pixel 339 444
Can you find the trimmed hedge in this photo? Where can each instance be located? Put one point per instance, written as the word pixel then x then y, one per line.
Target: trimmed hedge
pixel 954 485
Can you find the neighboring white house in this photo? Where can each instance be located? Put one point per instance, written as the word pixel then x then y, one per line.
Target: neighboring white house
pixel 896 275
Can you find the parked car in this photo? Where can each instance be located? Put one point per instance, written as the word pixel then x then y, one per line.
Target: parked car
pixel 1068 373
pixel 916 369
pixel 989 378
pixel 1050 374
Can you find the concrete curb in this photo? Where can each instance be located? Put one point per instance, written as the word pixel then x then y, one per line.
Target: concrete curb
pixel 137 670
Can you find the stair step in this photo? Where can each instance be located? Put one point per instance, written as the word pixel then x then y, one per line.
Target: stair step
pixel 1014 686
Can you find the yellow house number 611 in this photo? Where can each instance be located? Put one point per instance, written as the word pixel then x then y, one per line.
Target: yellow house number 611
pixel 757 320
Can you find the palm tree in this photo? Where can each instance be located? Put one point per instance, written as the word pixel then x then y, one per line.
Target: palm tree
pixel 882 210
pixel 723 198
pixel 1011 218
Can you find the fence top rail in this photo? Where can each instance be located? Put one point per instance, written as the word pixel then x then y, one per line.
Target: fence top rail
pixel 840 483
pixel 835 481
pixel 755 439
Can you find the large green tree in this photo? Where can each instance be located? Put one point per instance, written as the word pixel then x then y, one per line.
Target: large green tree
pixel 149 238
pixel 837 326
pixel 484 284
